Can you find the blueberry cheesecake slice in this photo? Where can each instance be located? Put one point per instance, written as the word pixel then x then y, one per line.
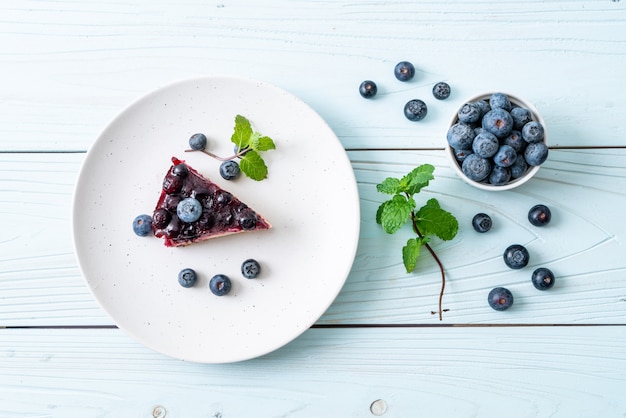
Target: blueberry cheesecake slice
pixel 192 208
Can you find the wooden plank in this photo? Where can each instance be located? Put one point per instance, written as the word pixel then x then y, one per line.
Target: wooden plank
pixel 71 68
pixel 436 372
pixel 40 283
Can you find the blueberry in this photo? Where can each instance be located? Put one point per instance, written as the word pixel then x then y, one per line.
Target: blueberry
pixel 482 222
pixel 521 116
pixel 533 132
pixel 484 107
pixel 485 145
pixel 499 176
pixel 240 152
pixel 197 142
pixel 161 217
pixel 469 113
pixel 460 136
pixel 229 170
pixel 515 140
pixel 247 219
pixel 415 110
pixel 172 184
pixel 500 101
pixel 404 71
pixel 476 168
pixel 519 167
pixel 536 153
pixel 220 284
pixel 539 215
pixel 461 154
pixel 142 225
pixel 180 170
pixel 250 268
pixel 189 210
pixel 441 90
pixel 187 277
pixel 368 89
pixel 499 122
pixel 542 278
pixel 500 298
pixel 516 256
pixel 505 157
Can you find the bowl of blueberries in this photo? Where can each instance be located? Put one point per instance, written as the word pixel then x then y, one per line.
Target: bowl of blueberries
pixel 497 141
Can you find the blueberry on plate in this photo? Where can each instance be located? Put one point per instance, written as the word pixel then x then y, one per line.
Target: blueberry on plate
pixel 499 176
pixel 536 153
pixel 250 268
pixel 542 278
pixel 499 122
pixel 500 298
pixel 142 225
pixel 197 142
pixel 441 90
pixel 229 170
pixel 415 110
pixel 533 132
pixel 187 277
pixel 521 116
pixel 469 113
pixel 539 215
pixel 476 168
pixel 506 156
pixel 500 101
pixel 482 222
pixel 368 89
pixel 516 256
pixel 220 284
pixel 189 210
pixel 460 136
pixel 404 71
pixel 519 167
pixel 485 145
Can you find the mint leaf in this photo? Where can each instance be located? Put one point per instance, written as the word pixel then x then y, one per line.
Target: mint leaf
pixel 395 213
pixel 253 165
pixel 261 143
pixel 418 178
pixel 410 253
pixel 243 132
pixel 432 220
pixel 389 186
pixel 379 213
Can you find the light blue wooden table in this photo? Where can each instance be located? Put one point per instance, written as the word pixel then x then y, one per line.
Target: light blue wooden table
pixel 69 67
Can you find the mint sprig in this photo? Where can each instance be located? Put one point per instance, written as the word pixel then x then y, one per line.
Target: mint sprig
pixel 249 145
pixel 427 221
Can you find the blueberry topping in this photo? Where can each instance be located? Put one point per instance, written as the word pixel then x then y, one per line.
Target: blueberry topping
pixel 404 71
pixel 500 101
pixel 220 284
pixel 536 153
pixel 533 132
pixel 229 170
pixel 180 170
pixel 500 298
pixel 476 168
pixel 415 110
pixel 441 90
pixel 542 278
pixel 187 277
pixel 197 142
pixel 482 222
pixel 160 218
pixel 516 256
pixel 247 219
pixel 469 113
pixel 172 184
pixel 539 215
pixel 368 89
pixel 142 225
pixel 189 210
pixel 250 268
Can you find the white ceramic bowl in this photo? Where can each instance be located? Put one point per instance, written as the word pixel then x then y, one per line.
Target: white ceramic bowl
pixel 530 172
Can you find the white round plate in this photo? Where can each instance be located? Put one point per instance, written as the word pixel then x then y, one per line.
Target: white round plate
pixel 310 198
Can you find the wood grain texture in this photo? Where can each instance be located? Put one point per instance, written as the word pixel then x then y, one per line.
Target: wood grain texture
pixel 41 284
pixel 69 68
pixel 436 372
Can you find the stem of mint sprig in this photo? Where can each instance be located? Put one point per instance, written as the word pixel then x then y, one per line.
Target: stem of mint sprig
pixel 249 146
pixel 429 220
